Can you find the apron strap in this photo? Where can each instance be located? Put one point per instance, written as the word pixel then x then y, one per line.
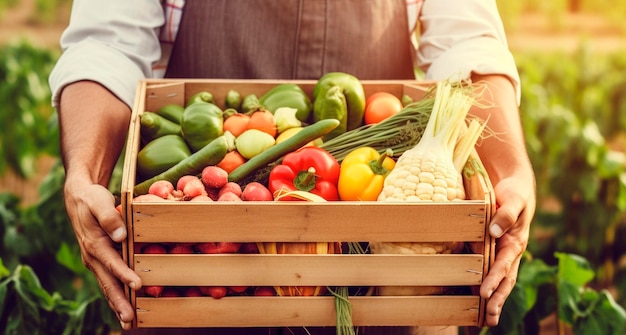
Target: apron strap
pixel 292 39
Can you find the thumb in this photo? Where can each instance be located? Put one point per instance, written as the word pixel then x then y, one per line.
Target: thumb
pixel 102 206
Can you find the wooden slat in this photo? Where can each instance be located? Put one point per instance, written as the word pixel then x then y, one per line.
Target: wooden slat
pixel 311 311
pixel 309 270
pixel 308 222
pixel 302 222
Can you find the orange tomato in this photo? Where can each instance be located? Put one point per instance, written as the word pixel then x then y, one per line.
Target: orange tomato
pixel 236 124
pixel 380 106
pixel 231 161
pixel 263 120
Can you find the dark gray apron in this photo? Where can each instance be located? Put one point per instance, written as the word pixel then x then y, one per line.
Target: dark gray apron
pixel 291 39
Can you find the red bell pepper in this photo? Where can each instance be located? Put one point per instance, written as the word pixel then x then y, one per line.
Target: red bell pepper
pixel 309 169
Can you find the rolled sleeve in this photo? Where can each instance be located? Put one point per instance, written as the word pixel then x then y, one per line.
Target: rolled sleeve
pixel 114 43
pixel 459 38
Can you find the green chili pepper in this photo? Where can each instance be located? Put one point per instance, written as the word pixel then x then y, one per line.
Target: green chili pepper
pixel 160 154
pixel 350 87
pixel 333 105
pixel 203 96
pixel 288 95
pixel 202 122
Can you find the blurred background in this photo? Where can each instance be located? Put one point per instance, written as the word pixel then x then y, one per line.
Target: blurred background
pixel 571 56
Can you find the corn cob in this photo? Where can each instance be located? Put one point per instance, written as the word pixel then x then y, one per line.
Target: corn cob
pixel 430 171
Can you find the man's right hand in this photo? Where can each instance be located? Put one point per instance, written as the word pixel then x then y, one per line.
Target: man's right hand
pixel 98 226
pixel 93 124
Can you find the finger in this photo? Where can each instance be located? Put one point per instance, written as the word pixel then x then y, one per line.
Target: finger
pixel 114 294
pixel 106 255
pixel 506 215
pixel 497 300
pixel 102 205
pixel 500 280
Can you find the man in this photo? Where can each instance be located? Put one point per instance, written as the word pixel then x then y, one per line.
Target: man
pixel 109 46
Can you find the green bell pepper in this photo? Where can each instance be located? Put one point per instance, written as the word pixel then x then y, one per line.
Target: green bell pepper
pixel 202 122
pixel 154 125
pixel 288 95
pixel 350 87
pixel 160 154
pixel 172 112
pixel 333 105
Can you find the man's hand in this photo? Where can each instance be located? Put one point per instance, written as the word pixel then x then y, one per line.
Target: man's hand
pixel 93 125
pixel 97 226
pixel 506 161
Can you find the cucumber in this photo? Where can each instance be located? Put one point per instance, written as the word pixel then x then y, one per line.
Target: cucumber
pixel 210 154
pixel 154 126
pixel 295 142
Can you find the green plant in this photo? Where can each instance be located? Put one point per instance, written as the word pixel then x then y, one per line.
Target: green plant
pixel 574 112
pixel 34 263
pixel 29 124
pixel 563 289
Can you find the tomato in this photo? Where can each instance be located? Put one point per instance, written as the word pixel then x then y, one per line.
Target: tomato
pixel 380 106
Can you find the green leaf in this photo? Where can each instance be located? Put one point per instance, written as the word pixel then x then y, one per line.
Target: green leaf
pixel 70 258
pixel 514 310
pixel 574 269
pixel 533 274
pixel 602 316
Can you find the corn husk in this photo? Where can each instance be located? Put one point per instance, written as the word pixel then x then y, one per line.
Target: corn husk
pixel 299 248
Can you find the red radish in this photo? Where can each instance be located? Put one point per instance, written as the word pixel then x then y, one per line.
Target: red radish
pixel 231 187
pixel 216 292
pixel 153 291
pixel 214 176
pixel 147 198
pixel 192 291
pixel 202 198
pixel 193 188
pixel 182 248
pixel 264 291
pixel 228 196
pixel 161 188
pixel 218 247
pixel 213 193
pixel 170 292
pixel 237 289
pixel 118 208
pixel 177 195
pixel 182 181
pixel 255 191
pixel 248 248
pixel 154 248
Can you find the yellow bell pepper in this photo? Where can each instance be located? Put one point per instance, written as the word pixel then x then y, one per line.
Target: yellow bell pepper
pixel 362 174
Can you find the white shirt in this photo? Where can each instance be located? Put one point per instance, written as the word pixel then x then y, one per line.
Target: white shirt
pixel 119 42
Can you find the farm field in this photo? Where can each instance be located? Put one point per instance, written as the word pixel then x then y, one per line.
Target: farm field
pixel 573 68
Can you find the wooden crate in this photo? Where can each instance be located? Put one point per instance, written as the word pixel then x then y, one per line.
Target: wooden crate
pixel 302 222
